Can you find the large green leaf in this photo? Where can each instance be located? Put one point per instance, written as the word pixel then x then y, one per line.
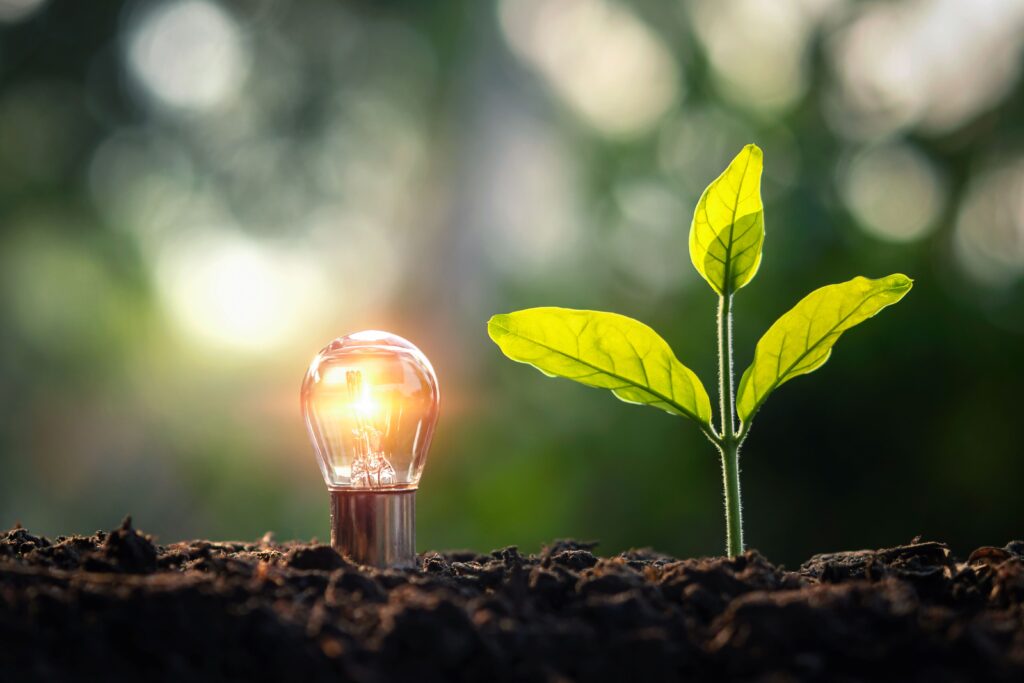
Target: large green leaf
pixel 728 225
pixel 603 350
pixel 801 340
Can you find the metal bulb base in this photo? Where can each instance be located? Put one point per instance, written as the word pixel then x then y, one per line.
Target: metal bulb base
pixel 375 528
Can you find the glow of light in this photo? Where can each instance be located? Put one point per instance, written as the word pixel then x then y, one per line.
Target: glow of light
pixel 366 406
pixel 334 407
pixel 232 291
pixel 343 471
pixel 933 64
pixel 335 376
pixel 369 336
pixel 607 65
pixel 188 54
pixel 893 191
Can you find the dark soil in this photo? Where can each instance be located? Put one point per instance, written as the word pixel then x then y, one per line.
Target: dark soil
pixel 117 606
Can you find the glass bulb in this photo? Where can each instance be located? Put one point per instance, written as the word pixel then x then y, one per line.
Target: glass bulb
pixel 370 401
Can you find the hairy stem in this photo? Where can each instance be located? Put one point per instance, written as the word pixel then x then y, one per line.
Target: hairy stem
pixel 729 444
pixel 733 506
pixel 726 400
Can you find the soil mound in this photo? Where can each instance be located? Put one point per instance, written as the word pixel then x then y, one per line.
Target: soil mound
pixel 117 606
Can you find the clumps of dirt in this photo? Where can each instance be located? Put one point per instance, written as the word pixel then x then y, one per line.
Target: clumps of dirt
pixel 118 606
pixel 122 550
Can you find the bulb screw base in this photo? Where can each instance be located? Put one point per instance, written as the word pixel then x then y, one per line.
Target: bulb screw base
pixel 375 528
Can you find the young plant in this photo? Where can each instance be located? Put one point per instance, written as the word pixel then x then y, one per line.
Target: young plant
pixel 613 352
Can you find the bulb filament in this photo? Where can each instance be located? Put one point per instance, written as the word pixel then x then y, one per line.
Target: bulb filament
pixel 370 468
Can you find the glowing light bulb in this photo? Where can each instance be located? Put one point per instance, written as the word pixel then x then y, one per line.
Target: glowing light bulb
pixel 370 401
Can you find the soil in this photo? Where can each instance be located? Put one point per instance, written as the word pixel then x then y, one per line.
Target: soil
pixel 118 606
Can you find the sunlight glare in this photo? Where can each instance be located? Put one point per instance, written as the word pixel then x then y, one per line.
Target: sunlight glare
pixel 232 291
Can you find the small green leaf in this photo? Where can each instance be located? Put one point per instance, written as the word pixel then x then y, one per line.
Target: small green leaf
pixel 728 225
pixel 801 340
pixel 603 350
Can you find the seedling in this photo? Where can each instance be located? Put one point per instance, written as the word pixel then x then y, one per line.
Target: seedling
pixel 611 351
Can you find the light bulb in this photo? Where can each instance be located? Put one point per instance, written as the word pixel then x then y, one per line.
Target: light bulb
pixel 370 401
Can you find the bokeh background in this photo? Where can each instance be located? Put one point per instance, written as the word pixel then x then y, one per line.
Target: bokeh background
pixel 195 196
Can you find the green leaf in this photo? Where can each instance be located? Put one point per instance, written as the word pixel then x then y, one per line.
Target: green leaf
pixel 728 225
pixel 603 350
pixel 802 339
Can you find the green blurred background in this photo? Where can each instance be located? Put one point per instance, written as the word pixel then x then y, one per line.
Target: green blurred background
pixel 196 196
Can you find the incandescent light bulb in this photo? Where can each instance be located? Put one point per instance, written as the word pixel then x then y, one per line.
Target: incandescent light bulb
pixel 370 401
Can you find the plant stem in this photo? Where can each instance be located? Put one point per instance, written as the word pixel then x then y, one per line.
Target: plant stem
pixel 729 445
pixel 733 507
pixel 725 369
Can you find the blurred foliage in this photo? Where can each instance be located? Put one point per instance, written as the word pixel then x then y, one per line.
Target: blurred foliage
pixel 195 197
